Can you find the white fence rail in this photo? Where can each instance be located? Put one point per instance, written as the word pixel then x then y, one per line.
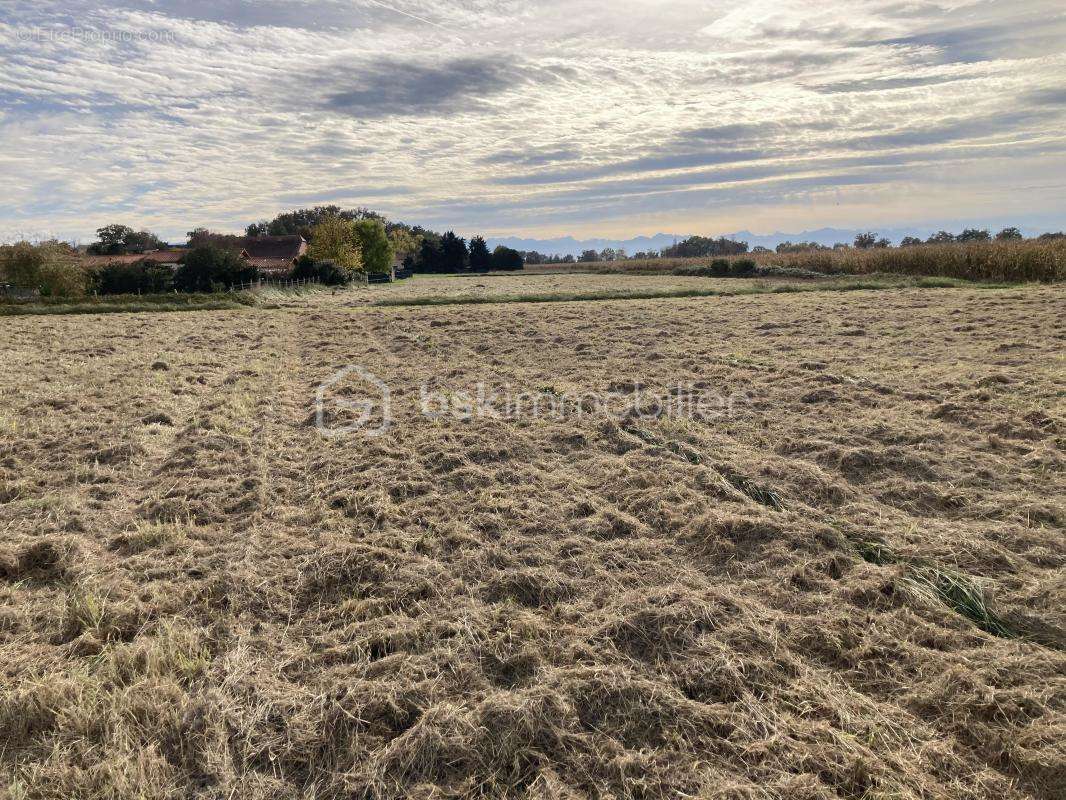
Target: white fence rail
pixel 279 283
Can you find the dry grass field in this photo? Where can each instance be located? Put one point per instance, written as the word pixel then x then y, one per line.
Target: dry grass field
pixel 498 283
pixel 547 286
pixel 846 582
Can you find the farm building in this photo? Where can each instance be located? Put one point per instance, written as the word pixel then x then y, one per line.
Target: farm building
pixel 171 257
pixel 273 254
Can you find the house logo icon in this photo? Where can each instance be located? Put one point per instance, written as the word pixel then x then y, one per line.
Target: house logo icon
pixel 353 400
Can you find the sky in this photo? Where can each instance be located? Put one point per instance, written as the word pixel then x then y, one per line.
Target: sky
pixel 561 117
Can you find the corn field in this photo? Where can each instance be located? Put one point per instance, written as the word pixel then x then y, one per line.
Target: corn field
pixel 1011 262
pixel 1026 261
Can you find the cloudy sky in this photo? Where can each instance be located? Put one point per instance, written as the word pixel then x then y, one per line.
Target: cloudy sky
pixel 535 118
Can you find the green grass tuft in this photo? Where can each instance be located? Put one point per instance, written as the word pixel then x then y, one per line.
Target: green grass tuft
pixel 961 593
pixel 758 492
pixel 128 303
pixel 958 592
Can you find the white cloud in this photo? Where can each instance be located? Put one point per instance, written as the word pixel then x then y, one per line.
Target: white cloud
pixel 518 117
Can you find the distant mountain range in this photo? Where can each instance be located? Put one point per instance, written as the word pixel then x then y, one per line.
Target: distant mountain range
pixel 568 245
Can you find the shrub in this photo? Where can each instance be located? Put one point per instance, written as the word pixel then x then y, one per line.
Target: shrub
pixel 140 278
pixel 209 269
pixel 64 279
pixel 51 267
pixel 506 258
pixel 20 264
pixel 743 266
pixel 325 271
pixel 720 267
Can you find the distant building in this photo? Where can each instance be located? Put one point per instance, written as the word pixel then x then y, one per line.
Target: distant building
pixel 171 257
pixel 273 254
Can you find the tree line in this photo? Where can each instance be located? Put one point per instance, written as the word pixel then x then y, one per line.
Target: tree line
pixel 341 242
pixel 420 249
pixel 871 240
pixel 704 247
pixel 449 253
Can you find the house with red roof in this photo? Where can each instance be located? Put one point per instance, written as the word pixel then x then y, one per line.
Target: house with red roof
pixel 273 255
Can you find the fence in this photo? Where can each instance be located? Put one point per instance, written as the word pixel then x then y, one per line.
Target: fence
pixel 18 292
pixel 279 283
pixel 360 278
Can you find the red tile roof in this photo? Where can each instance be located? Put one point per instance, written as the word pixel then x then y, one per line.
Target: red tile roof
pixel 274 247
pixel 158 257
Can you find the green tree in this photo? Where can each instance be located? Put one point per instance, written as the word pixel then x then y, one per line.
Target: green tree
pixel 910 241
pixel 202 236
pixel 703 246
pixel 480 258
pixel 374 245
pixel 429 255
pixel 111 239
pixel 974 235
pixel 303 220
pixel 799 247
pixel 453 252
pixel 117 239
pixel 1009 235
pixel 334 239
pixel 941 237
pixel 506 258
pixel 866 241
pixel 589 256
pixel 404 241
pixel 141 241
